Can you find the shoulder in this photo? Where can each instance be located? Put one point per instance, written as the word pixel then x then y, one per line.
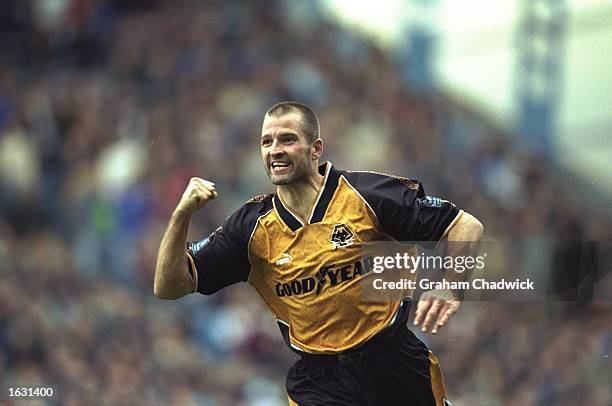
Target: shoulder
pixel 253 209
pixel 234 234
pixel 372 182
pixel 258 205
pixel 260 198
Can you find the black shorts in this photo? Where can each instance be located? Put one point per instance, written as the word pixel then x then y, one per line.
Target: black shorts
pixel 393 368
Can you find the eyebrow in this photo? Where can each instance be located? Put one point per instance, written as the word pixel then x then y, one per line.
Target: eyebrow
pixel 281 134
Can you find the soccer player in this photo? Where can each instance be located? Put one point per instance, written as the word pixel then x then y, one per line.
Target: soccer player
pixel 301 249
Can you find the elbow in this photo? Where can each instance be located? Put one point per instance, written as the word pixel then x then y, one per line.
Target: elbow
pixel 172 281
pixel 477 227
pixel 165 295
pixel 161 293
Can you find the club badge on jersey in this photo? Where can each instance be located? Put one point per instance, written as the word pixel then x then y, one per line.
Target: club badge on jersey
pixel 342 236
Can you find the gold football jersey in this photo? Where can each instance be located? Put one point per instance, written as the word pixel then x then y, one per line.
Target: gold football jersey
pixel 311 275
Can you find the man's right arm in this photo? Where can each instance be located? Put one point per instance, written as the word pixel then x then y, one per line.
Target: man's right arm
pixel 172 277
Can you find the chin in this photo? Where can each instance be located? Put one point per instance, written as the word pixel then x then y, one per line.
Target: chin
pixel 283 179
pixel 288 178
pixel 278 181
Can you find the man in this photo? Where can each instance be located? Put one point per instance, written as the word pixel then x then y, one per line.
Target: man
pixel 301 249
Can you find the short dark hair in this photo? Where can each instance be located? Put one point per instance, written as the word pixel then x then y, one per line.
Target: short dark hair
pixel 310 121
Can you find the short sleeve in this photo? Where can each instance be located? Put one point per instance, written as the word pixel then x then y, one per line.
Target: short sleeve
pixel 403 209
pixel 222 258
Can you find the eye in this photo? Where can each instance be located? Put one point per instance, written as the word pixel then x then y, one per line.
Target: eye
pixel 266 142
pixel 288 139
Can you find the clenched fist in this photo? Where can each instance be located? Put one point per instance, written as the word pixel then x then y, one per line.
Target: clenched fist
pixel 196 195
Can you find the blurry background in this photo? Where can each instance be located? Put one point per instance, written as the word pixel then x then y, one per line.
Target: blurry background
pixel 107 108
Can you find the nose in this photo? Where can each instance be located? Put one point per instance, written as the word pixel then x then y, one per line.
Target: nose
pixel 276 150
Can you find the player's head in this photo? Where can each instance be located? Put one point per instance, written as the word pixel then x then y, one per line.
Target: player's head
pixel 290 142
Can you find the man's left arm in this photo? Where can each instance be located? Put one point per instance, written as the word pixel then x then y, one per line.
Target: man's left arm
pixel 436 307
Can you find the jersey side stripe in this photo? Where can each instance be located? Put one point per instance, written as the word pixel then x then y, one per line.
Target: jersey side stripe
pixel 288 335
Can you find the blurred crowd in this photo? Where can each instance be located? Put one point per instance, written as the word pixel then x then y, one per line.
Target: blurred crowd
pixel 107 108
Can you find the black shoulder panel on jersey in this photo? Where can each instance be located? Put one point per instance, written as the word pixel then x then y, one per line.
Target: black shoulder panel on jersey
pixel 402 209
pixel 222 258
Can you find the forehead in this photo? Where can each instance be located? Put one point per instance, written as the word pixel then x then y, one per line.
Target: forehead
pixel 290 122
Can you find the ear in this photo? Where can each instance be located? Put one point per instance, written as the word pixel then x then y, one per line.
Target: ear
pixel 317 149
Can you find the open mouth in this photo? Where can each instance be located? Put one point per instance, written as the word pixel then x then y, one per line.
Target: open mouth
pixel 280 166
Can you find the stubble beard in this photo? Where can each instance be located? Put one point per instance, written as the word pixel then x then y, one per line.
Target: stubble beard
pixel 300 171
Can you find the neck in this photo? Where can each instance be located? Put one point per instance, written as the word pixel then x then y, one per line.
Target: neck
pixel 300 196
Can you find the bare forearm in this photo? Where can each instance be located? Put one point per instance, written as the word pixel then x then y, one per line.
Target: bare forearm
pixel 437 306
pixel 172 279
pixel 462 241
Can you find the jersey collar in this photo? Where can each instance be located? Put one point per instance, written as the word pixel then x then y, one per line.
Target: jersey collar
pixel 330 183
